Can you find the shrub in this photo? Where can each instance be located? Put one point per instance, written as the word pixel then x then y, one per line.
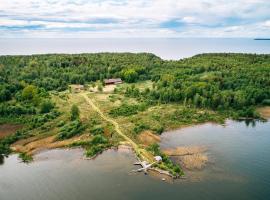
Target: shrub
pixel 266 102
pixel 98 144
pixel 75 112
pixel 93 151
pixel 128 110
pixel 60 123
pixel 100 87
pixel 46 106
pixel 142 107
pixel 248 112
pixel 97 130
pixel 99 139
pixel 7 109
pixel 8 140
pixel 25 157
pixel 154 148
pixel 80 143
pixel 159 130
pixel 70 130
pixel 29 92
pixel 130 75
pixel 39 120
pixel 140 127
pixel 124 110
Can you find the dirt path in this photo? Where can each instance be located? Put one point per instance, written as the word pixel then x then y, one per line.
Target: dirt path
pixel 139 151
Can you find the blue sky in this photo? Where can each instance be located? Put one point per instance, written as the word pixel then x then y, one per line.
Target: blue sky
pixel 134 18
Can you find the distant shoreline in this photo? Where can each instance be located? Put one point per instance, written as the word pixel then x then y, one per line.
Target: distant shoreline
pixel 262 39
pixel 168 49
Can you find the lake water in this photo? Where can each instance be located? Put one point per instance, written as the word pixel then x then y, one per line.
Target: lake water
pixel 171 48
pixel 240 169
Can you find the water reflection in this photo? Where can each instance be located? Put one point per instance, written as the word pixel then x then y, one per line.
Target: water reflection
pixel 2 159
pixel 252 122
pixel 239 169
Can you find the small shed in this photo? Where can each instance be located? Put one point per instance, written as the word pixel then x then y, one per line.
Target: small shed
pixel 158 158
pixel 113 81
pixel 77 88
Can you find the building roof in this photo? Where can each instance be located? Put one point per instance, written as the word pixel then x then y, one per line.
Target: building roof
pixel 113 80
pixel 158 158
pixel 77 86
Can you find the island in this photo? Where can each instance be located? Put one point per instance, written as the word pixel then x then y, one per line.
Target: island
pixel 262 39
pixel 106 100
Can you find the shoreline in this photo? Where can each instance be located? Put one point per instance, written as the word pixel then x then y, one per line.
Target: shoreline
pixel 126 146
pixel 162 57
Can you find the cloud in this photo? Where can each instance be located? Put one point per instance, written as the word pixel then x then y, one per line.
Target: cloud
pixel 137 18
pixel 267 24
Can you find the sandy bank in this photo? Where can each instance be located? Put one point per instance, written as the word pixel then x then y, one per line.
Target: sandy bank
pixel 36 144
pixel 264 112
pixel 185 150
pixel 147 138
pixel 190 157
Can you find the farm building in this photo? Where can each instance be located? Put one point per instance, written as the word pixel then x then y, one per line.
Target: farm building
pixel 113 81
pixel 76 88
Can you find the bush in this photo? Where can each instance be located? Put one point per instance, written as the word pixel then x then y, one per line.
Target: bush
pixel 99 139
pixel 46 106
pixel 29 92
pixel 80 143
pixel 4 149
pixel 140 127
pixel 93 151
pixel 248 113
pixel 130 75
pixel 39 120
pixel 142 107
pixel 159 130
pixel 75 112
pixel 127 110
pixel 97 145
pixel 7 109
pixel 25 157
pixel 97 130
pixel 266 102
pixel 61 123
pixel 154 148
pixel 70 130
pixel 124 110
pixel 8 140
pixel 100 87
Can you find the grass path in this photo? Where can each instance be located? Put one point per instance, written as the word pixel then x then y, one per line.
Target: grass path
pixel 142 153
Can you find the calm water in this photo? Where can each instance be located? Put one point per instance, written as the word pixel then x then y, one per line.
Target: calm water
pixel 240 169
pixel 165 48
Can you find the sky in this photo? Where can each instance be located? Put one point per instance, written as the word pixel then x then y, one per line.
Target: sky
pixel 134 18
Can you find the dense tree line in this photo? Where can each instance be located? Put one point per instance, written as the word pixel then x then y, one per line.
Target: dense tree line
pixel 55 72
pixel 216 81
pixel 26 80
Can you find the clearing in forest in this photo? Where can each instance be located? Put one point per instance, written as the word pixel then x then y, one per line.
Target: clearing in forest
pixel 141 153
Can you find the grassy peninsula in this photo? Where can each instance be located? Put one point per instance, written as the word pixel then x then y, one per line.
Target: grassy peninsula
pixel 39 93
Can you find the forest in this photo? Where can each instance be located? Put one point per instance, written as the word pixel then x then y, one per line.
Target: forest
pixel 216 81
pixel 231 84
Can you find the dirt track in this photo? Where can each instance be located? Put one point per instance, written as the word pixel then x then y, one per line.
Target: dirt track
pixel 139 151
